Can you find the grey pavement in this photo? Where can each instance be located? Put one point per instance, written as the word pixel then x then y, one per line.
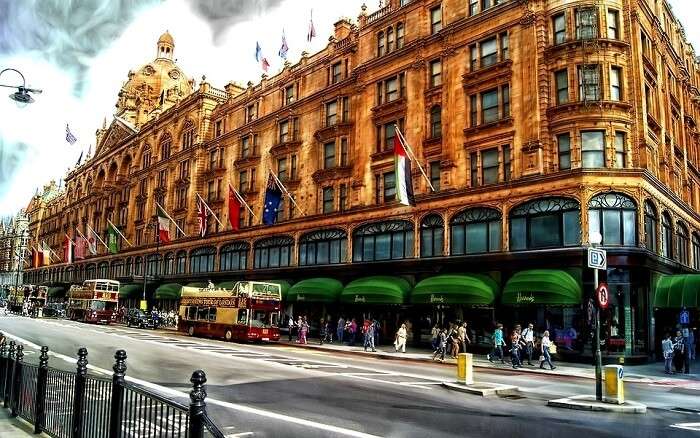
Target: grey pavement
pixel 280 390
pixel 14 427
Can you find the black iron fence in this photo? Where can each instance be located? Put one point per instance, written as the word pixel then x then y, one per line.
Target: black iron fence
pixel 66 404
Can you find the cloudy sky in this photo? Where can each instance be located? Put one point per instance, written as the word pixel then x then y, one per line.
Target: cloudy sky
pixel 79 53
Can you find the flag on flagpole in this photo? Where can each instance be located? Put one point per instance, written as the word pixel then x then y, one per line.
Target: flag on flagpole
pixel 202 217
pixel 273 198
pixel 35 258
pixel 80 158
pixel 46 253
pixel 234 209
pixel 89 150
pixel 404 180
pixel 312 30
pixel 79 250
pixel 163 225
pixel 92 241
pixel 265 65
pixel 70 138
pixel 285 48
pixel 112 240
pixel 67 249
pixel 260 58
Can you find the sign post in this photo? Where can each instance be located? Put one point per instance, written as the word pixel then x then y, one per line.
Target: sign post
pixel 597 260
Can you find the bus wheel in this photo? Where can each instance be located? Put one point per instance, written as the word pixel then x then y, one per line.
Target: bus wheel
pixel 190 331
pixel 228 335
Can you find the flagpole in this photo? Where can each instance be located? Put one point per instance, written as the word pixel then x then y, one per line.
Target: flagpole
pixel 413 156
pixel 205 204
pixel 284 189
pixel 116 228
pixel 171 219
pixel 52 252
pixel 98 237
pixel 240 198
pixel 70 243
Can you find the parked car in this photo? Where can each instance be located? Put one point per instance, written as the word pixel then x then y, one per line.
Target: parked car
pixel 54 310
pixel 139 318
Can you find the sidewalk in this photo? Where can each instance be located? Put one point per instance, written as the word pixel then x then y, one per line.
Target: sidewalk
pixel 647 373
pixel 14 427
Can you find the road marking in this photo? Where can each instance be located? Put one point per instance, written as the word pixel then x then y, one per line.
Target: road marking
pixel 687 426
pixel 234 406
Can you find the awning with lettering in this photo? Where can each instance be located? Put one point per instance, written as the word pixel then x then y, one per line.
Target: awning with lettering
pixel 678 291
pixel 380 289
pixel 315 290
pixel 469 289
pixel 551 287
pixel 168 291
pixel 135 290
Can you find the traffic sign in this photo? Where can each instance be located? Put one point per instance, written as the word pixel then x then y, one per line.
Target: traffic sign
pixel 684 317
pixel 602 296
pixel 597 258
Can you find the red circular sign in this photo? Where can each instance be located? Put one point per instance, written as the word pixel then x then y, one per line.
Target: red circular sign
pixel 602 296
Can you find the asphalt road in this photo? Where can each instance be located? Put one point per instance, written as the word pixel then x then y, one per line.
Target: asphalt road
pixel 273 391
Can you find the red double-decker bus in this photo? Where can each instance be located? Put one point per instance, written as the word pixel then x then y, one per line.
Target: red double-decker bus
pixel 249 311
pixel 95 301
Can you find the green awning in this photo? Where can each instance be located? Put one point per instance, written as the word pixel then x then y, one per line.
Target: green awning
pixel 284 286
pixel 677 291
pixel 168 291
pixel 57 292
pixel 200 284
pixel 130 290
pixel 226 284
pixel 315 290
pixel 474 289
pixel 381 289
pixel 542 286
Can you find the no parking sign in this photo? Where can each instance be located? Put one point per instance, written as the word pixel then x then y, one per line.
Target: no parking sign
pixel 602 295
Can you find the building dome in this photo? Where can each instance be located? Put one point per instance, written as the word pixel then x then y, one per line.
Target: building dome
pixel 166 38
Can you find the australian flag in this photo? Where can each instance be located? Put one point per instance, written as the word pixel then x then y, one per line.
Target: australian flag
pixel 273 197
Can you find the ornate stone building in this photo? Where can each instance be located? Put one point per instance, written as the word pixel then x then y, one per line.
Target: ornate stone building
pixel 13 243
pixel 535 121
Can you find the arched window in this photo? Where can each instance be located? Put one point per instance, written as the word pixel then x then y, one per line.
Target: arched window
pixel 117 268
pixel 273 252
pixel 165 146
pixel 146 158
pixel 682 243
pixel 234 256
pixel 666 235
pixel 545 223
pixel 202 260
pixel 380 44
pixel 180 262
pixel 696 251
pixel 188 135
pixel 90 272
pixel 323 247
pixel 651 223
pixel 389 240
pixel 152 262
pixel 103 270
pixel 389 40
pixel 614 216
pixel 138 265
pixel 128 267
pixel 436 122
pixel 169 264
pixel 475 230
pixel 432 230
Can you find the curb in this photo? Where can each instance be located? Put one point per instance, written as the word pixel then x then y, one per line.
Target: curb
pixel 589 403
pixel 482 389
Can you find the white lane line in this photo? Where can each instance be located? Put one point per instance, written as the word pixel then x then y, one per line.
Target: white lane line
pixel 355 376
pixel 234 406
pixel 687 426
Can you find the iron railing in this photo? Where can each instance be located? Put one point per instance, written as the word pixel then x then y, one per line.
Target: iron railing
pixel 66 404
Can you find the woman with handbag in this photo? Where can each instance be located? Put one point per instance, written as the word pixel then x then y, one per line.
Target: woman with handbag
pixel 545 357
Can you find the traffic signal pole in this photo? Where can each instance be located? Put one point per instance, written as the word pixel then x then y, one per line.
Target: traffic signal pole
pixel 598 356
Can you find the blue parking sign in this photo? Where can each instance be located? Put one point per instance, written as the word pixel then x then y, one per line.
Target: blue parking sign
pixel 684 317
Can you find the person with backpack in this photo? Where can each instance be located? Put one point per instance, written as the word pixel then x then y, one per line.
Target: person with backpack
pixel 498 344
pixel 528 339
pixel 441 345
pixel 546 357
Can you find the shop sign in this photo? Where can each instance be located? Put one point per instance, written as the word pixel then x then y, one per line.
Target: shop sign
pixel 359 298
pixel 437 298
pixel 522 298
pixel 602 295
pixel 301 297
pixel 597 259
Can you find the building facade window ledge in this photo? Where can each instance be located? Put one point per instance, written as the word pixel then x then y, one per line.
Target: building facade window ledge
pixel 432 147
pixel 250 159
pixel 330 132
pixel 498 71
pixel 182 182
pixel 332 174
pixel 390 110
pixel 212 173
pixel 573 44
pixel 506 122
pixel 581 106
pixel 285 147
pixel 382 155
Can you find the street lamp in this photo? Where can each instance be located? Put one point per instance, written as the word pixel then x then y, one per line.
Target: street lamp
pixel 21 96
pixel 595 238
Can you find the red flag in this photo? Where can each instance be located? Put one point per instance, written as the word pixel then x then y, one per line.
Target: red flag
pixel 79 251
pixel 234 209
pixel 67 249
pixel 202 217
pixel 163 225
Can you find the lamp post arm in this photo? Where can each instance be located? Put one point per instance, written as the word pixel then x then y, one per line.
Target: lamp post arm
pixel 24 82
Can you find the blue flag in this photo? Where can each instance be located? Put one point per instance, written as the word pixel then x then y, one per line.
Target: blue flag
pixel 258 52
pixel 285 48
pixel 273 198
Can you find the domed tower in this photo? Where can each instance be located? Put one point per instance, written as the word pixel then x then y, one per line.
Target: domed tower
pixel 158 85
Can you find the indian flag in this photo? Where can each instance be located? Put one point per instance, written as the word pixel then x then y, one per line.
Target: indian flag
pixel 163 225
pixel 404 181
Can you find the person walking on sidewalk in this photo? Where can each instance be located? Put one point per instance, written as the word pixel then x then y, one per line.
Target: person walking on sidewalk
pixel 498 344
pixel 453 341
pixel 291 325
pixel 546 357
pixel 515 349
pixel 441 345
pixel 352 331
pixel 303 330
pixel 400 341
pixel 340 330
pixel 435 337
pixel 529 341
pixel 678 352
pixel 369 337
pixel 463 336
pixel 322 331
pixel 667 349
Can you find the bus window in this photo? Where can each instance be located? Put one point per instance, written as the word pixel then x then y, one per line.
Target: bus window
pixel 97 305
pixel 212 314
pixel 191 313
pixel 243 316
pixel 203 313
pixel 260 318
pixel 274 319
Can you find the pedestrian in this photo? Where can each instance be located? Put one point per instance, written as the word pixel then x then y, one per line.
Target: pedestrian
pixel 463 336
pixel 546 357
pixel 352 331
pixel 365 333
pixel 370 337
pixel 400 339
pixel 435 337
pixel 377 328
pixel 454 341
pixel 298 327
pixel 667 349
pixel 691 342
pixel 678 352
pixel 303 330
pixel 290 324
pixel 441 345
pixel 515 349
pixel 321 331
pixel 498 344
pixel 340 329
pixel 529 342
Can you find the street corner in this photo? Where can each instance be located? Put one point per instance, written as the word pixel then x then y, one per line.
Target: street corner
pixel 589 403
pixel 482 389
